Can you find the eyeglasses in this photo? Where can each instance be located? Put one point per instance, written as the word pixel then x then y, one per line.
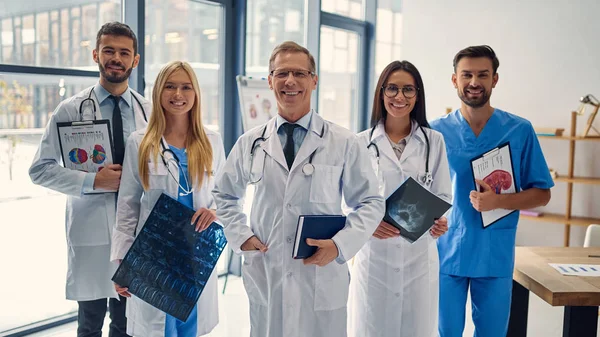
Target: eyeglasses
pixel 392 90
pixel 283 74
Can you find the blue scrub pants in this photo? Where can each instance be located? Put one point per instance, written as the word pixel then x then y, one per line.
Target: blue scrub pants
pixel 177 328
pixel 490 299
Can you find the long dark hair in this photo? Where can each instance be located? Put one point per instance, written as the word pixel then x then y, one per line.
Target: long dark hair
pixel 418 112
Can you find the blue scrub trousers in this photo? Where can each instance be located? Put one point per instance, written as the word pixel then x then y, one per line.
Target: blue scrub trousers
pixel 177 328
pixel 490 300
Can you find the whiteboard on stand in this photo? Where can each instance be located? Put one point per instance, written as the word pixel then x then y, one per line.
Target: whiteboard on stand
pixel 257 101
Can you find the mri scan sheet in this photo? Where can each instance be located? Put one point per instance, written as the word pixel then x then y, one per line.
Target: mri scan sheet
pixel 170 263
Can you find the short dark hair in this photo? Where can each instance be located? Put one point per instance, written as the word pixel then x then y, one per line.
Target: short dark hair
pixel 117 29
pixel 478 51
pixel 418 113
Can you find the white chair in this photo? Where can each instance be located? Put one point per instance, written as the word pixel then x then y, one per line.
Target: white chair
pixel 592 236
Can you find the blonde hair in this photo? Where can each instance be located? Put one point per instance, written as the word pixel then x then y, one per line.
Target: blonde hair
pixel 198 147
pixel 291 47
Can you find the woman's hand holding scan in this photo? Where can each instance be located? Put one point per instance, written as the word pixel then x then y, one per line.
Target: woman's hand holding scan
pixel 204 217
pixel 122 290
pixel 386 231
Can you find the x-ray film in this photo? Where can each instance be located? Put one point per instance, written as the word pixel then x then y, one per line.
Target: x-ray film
pixel 412 209
pixel 170 263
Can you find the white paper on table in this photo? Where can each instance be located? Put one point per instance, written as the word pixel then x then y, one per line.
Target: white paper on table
pixel 577 269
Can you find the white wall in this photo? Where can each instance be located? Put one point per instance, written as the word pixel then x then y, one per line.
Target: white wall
pixel 549 53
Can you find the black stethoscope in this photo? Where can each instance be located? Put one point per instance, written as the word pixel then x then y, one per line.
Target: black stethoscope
pixel 90 99
pixel 308 168
pixel 427 178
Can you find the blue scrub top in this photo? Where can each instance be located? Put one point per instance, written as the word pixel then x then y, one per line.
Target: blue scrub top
pixel 173 326
pixel 468 249
pixel 187 200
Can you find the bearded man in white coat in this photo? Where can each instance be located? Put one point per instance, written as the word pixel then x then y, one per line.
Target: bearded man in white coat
pixel 90 215
pixel 301 165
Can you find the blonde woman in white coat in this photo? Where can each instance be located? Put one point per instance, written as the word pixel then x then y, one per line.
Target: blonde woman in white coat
pixel 394 288
pixel 175 130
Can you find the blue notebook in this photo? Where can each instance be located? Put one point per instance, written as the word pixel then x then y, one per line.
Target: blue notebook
pixel 169 263
pixel 319 227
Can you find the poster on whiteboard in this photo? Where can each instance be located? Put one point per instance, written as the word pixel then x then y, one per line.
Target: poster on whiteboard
pixel 257 101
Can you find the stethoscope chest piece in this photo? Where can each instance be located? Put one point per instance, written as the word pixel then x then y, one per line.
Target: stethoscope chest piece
pixel 308 169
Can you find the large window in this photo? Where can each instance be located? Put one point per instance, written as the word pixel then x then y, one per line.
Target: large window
pixel 187 31
pixel 269 23
pixel 388 39
pixel 350 8
pixel 59 34
pixel 56 34
pixel 338 80
pixel 32 244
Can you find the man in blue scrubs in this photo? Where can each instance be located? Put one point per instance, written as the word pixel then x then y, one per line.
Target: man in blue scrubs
pixel 471 256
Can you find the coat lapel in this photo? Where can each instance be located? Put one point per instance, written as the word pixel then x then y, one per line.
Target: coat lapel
pixel 272 145
pixel 385 148
pixel 413 144
pixel 312 141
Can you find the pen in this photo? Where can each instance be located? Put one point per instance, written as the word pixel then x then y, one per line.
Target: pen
pixel 593 255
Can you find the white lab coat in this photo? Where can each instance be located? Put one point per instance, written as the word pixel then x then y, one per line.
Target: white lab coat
pixel 394 289
pixel 286 297
pixel 89 217
pixel 134 206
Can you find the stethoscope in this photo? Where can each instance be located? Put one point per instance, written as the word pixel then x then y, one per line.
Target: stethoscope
pixel 308 168
pixel 427 178
pixel 185 190
pixel 165 150
pixel 90 99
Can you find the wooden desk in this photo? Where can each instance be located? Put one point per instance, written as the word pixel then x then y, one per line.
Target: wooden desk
pixel 579 295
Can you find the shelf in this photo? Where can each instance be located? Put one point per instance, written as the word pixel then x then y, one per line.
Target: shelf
pixel 560 218
pixel 592 138
pixel 579 180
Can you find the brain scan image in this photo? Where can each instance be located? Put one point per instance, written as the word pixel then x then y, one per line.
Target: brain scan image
pixel 407 215
pixel 78 156
pixel 98 154
pixel 499 180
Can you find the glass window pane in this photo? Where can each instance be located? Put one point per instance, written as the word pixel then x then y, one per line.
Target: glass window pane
pixel 270 22
pixel 388 46
pixel 338 81
pixel 187 31
pixel 56 35
pixel 26 104
pixel 351 8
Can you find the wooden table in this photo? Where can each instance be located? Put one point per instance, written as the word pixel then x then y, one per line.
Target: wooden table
pixel 579 295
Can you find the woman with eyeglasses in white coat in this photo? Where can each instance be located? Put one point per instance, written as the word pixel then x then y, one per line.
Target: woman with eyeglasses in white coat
pixel 394 288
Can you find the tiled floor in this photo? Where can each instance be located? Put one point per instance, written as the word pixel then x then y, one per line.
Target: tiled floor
pixel 544 320
pixel 233 315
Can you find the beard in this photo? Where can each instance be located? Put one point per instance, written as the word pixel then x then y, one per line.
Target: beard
pixel 112 78
pixel 474 102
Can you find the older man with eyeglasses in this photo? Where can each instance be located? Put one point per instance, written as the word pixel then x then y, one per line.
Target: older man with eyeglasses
pixel 303 165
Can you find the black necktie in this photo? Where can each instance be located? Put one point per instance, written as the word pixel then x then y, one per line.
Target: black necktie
pixel 117 131
pixel 288 150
